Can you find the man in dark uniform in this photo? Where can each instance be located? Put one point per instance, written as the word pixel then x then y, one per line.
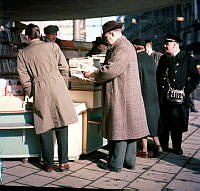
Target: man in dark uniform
pixel 178 70
pixel 51 35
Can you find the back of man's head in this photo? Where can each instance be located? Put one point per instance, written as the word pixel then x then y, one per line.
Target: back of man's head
pixel 32 31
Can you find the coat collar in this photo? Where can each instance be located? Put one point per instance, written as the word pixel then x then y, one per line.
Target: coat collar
pixel 118 41
pixel 36 41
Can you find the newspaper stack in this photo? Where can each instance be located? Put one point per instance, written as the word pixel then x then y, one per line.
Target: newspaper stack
pixel 77 67
pixel 80 65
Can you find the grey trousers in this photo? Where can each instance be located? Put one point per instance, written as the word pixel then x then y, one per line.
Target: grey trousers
pixel 122 153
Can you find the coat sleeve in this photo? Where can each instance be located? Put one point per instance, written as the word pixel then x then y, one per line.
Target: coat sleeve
pixel 23 74
pixel 115 65
pixel 193 74
pixel 62 63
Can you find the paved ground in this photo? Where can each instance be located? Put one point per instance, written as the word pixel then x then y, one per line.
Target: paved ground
pixel 166 172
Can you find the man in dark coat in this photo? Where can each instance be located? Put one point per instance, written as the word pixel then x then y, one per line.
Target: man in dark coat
pixel 99 47
pixel 147 72
pixel 178 70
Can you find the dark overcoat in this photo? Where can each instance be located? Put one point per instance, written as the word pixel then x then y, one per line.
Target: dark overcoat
pixel 124 113
pixel 182 73
pixel 43 72
pixel 156 56
pixel 147 70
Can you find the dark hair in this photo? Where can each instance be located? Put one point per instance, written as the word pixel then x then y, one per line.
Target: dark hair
pixel 32 31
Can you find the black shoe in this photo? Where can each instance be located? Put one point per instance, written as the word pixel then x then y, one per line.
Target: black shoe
pixel 193 110
pixel 129 167
pixel 114 169
pixel 178 151
pixel 165 149
pixel 169 150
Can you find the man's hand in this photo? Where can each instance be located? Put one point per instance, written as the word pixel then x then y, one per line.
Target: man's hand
pixel 88 74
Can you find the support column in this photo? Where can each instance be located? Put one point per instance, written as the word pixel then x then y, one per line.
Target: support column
pixel 76 30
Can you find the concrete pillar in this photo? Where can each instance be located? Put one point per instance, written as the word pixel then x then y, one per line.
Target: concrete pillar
pixel 196 14
pixel 76 30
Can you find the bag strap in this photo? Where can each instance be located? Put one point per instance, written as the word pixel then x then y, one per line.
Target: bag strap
pixel 167 77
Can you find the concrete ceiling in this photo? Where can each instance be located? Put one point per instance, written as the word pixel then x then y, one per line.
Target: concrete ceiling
pixel 50 10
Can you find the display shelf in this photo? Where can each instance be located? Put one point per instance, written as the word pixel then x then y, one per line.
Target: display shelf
pixel 7 57
pixel 17 111
pixel 16 126
pixel 92 130
pixel 10 42
pixel 8 73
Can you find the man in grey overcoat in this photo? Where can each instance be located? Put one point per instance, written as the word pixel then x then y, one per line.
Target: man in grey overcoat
pixel 124 113
pixel 43 71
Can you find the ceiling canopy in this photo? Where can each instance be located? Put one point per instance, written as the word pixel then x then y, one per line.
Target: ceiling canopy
pixel 50 10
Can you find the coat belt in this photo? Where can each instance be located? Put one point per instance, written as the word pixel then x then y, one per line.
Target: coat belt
pixel 48 76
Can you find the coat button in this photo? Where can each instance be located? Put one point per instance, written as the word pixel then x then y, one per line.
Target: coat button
pixel 177 64
pixel 174 80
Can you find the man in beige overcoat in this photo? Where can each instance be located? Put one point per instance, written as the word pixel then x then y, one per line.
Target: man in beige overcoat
pixel 43 72
pixel 124 113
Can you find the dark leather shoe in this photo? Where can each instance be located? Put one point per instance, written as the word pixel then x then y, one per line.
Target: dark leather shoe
pixel 193 110
pixel 129 167
pixel 118 170
pixel 64 167
pixel 167 149
pixel 178 151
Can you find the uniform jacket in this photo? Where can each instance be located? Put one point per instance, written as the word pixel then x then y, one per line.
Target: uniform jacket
pixel 43 72
pixel 124 113
pixel 147 71
pixel 182 73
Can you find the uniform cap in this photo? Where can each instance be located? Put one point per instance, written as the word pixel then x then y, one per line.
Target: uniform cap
pixel 172 38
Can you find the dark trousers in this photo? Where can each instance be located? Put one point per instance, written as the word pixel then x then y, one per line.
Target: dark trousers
pixel 171 124
pixel 122 153
pixel 191 100
pixel 46 140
